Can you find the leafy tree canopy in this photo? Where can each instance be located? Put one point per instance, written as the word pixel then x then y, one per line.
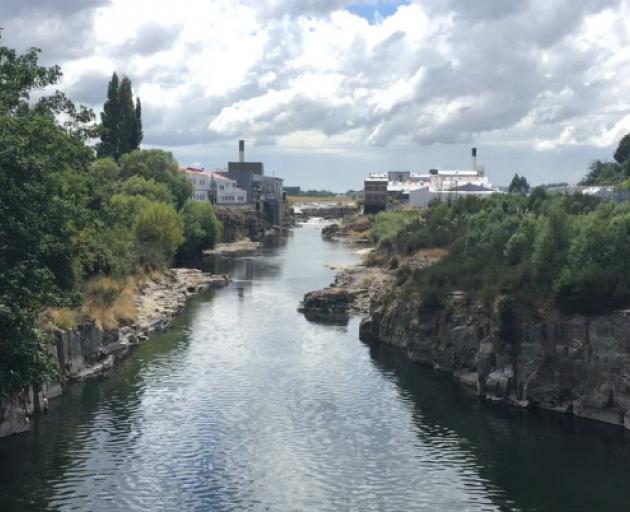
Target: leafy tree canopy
pixel 159 166
pixel 519 185
pixel 622 153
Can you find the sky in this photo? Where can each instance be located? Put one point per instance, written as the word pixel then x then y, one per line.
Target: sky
pixel 325 91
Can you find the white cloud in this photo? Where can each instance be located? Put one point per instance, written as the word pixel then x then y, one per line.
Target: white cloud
pixel 543 73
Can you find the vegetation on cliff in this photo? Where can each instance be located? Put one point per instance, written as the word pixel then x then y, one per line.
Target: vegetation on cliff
pixel 68 218
pixel 571 251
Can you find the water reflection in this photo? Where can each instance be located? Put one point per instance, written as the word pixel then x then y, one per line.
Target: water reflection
pixel 529 460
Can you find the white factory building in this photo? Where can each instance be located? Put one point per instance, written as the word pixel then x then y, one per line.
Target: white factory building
pixel 213 187
pixel 419 189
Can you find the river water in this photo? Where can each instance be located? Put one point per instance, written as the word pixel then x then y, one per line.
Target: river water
pixel 245 405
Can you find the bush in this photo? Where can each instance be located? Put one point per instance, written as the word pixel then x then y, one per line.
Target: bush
pixel 158 233
pixel 202 229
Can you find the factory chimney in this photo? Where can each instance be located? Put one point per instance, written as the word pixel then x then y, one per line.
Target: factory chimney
pixel 474 159
pixel 241 150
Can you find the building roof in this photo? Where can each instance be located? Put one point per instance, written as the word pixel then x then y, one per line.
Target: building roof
pixel 468 172
pixel 194 171
pixel 469 187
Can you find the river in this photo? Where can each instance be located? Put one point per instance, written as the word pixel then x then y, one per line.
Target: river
pixel 246 405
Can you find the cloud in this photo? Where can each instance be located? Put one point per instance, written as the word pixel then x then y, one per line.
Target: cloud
pixel 149 39
pixel 62 28
pixel 292 73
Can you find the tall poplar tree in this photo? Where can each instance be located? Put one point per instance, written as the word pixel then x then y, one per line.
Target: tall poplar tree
pixel 127 120
pixel 109 121
pixel 121 120
pixel 138 134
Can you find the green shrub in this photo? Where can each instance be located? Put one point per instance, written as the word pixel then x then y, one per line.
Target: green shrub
pixel 158 230
pixel 202 229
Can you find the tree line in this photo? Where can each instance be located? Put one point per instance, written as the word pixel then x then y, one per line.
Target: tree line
pixel 70 216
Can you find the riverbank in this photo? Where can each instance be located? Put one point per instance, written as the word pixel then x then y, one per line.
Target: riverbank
pixel 89 350
pixel 572 364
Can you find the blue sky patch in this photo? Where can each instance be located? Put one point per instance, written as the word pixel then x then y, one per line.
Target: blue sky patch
pixel 373 10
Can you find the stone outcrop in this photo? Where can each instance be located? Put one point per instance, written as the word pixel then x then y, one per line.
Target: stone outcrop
pixel 240 223
pixel 88 350
pixel 327 212
pixel 241 248
pixel 330 304
pixel 353 290
pixel 353 229
pixel 572 364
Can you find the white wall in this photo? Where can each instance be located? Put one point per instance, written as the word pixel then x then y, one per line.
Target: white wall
pixel 419 197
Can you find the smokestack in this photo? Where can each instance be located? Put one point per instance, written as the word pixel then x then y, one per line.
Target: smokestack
pixel 241 150
pixel 474 159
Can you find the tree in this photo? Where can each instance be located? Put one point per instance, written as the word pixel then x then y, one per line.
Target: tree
pixel 158 232
pixel 161 167
pixel 518 185
pixel 109 121
pixel 39 218
pixel 622 153
pixel 137 132
pixel 202 229
pixel 604 173
pixel 121 121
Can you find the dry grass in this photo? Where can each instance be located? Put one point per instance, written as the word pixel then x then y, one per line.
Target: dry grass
pixel 110 302
pixel 60 318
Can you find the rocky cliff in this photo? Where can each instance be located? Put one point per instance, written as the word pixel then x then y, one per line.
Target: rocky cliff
pixel 88 350
pixel 239 223
pixel 572 364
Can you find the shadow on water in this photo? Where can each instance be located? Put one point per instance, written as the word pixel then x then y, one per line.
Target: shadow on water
pixel 541 460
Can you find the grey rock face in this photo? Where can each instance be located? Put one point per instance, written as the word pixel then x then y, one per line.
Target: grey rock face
pixel 572 364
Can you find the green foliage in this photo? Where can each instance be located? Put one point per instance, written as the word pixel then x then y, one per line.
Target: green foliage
pixel 67 217
pixel 605 173
pixel 622 153
pixel 149 188
pixel 387 225
pixel 108 146
pixel 518 185
pixel 161 167
pixel 158 231
pixel 202 229
pixel 121 121
pixel 545 248
pixel 38 217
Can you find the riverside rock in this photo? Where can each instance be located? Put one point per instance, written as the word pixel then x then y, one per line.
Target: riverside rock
pixel 573 364
pixel 87 350
pixel 352 291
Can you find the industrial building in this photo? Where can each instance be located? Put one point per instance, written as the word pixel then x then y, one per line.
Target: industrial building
pixel 419 189
pixel 265 193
